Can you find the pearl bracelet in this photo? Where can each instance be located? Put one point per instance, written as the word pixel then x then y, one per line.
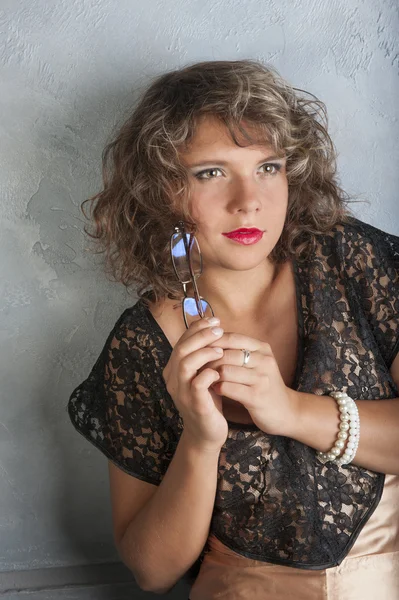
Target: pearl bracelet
pixel 349 429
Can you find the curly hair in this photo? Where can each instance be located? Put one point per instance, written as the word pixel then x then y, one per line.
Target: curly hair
pixel 146 187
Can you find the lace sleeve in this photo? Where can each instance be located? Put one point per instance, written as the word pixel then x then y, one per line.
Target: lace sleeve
pixel 115 409
pixel 377 273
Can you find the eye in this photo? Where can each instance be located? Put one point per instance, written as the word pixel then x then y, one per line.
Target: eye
pixel 207 174
pixel 271 168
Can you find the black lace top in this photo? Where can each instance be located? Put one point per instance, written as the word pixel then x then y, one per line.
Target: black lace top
pixel 275 500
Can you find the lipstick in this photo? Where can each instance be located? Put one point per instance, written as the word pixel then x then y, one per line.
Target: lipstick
pixel 245 235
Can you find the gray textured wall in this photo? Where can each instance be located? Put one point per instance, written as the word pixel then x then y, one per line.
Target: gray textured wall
pixel 70 70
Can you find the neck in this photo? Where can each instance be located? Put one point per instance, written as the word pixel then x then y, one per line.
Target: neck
pixel 238 295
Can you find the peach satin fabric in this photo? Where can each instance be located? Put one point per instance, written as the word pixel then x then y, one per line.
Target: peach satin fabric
pixel 369 572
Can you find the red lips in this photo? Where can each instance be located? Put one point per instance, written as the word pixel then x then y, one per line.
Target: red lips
pixel 244 230
pixel 245 235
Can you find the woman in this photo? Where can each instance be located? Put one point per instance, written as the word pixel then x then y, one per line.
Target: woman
pixel 226 448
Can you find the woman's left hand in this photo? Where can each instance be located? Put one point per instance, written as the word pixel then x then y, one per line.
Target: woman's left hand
pixel 258 385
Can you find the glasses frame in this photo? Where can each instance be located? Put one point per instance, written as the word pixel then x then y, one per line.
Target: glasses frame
pixel 181 229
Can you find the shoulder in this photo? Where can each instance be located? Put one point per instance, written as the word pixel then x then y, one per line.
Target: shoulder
pixel 361 246
pixel 121 407
pixel 137 328
pixel 131 355
pixel 358 231
pixel 133 319
pixel 365 259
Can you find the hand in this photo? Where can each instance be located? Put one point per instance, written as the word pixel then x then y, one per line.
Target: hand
pixel 188 381
pixel 258 386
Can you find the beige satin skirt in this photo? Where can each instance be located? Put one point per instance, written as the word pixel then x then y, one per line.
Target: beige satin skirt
pixel 369 572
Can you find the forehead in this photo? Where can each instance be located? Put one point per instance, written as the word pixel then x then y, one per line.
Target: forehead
pixel 211 134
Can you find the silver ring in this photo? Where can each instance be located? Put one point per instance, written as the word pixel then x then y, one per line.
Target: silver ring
pixel 247 355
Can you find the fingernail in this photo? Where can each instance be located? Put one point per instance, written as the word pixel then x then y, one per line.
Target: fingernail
pixel 213 321
pixel 219 350
pixel 217 330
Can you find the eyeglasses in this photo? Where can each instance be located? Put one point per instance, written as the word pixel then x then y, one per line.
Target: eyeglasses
pixel 187 264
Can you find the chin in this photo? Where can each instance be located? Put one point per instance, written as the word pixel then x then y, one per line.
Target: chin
pixel 243 263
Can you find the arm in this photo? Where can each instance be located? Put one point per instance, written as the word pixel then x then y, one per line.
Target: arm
pixel 317 424
pixel 168 534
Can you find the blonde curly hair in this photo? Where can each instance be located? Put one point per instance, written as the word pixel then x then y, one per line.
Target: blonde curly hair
pixel 146 187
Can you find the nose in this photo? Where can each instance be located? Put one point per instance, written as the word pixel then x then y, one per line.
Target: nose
pixel 245 196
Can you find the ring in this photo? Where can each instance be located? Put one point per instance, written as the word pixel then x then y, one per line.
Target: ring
pixel 247 355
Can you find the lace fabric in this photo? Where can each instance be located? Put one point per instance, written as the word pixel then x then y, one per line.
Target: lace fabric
pixel 275 501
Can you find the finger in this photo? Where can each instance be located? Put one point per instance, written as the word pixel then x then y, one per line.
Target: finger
pixel 240 375
pixel 201 337
pixel 191 363
pixel 239 341
pixel 236 391
pixel 201 383
pixel 236 357
pixel 199 325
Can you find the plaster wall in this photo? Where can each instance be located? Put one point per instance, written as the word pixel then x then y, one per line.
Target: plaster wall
pixel 70 71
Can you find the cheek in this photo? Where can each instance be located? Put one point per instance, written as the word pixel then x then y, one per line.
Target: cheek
pixel 282 186
pixel 275 205
pixel 280 198
pixel 204 208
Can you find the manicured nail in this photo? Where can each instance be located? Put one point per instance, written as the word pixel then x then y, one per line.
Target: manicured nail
pixel 217 330
pixel 213 321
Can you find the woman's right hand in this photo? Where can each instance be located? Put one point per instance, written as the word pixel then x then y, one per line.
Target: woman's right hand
pixel 189 386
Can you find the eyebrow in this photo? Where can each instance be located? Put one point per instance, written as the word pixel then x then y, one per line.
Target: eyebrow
pixel 224 163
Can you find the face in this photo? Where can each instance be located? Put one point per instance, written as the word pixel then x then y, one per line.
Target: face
pixel 234 187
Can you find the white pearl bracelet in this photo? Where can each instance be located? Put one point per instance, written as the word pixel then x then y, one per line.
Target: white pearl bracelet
pixel 349 429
